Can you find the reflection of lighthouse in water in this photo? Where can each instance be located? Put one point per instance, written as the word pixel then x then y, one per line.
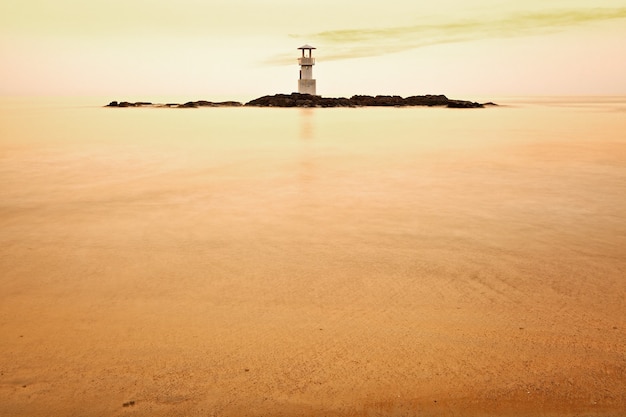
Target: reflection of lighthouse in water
pixel 306 123
pixel 306 83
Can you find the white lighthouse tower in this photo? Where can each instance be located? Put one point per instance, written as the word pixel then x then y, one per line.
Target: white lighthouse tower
pixel 306 83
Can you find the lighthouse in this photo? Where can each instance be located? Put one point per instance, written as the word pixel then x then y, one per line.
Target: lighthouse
pixel 306 83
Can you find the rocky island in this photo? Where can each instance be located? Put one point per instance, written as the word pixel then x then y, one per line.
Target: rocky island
pixel 309 100
pixel 189 104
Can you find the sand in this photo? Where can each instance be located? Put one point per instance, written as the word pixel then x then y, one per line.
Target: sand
pixel 472 278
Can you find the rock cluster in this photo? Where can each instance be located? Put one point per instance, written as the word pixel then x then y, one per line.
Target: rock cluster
pixel 189 104
pixel 128 104
pixel 308 100
pixel 204 103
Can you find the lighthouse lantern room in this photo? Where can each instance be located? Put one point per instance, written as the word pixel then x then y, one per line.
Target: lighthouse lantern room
pixel 306 83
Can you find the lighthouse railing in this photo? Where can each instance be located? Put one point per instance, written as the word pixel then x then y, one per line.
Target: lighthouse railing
pixel 306 61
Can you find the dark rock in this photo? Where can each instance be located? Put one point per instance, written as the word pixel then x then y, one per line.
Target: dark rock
pixel 362 100
pixel 188 105
pixel 228 104
pixel 205 103
pixel 427 100
pixel 113 104
pixel 285 100
pixel 461 104
pixel 388 101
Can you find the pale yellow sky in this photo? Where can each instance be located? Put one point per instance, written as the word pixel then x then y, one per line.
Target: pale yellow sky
pixel 243 49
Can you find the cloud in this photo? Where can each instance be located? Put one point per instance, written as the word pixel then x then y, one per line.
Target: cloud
pixel 360 43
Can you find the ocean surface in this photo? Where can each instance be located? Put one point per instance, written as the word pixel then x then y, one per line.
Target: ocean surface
pixel 265 261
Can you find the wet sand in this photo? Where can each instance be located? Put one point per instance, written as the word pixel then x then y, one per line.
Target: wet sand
pixel 342 263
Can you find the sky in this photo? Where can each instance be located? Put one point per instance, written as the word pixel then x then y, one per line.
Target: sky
pixel 205 49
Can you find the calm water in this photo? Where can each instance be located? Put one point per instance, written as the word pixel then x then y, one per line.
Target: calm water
pixel 165 250
pixel 557 161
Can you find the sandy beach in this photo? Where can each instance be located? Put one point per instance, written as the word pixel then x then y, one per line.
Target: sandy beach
pixel 357 262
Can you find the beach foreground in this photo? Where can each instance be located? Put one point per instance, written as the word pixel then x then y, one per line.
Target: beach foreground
pixel 298 262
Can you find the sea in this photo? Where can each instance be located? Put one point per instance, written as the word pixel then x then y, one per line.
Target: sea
pixel 319 261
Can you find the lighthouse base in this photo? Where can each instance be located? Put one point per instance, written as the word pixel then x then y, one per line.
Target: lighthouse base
pixel 306 87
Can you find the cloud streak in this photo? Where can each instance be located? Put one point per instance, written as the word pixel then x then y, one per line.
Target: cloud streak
pixel 361 43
